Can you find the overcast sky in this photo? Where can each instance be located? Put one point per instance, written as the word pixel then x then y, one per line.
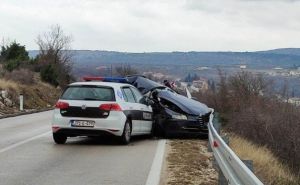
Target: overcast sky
pixel 157 25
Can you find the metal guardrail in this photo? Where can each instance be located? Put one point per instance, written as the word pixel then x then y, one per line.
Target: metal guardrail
pixel 234 170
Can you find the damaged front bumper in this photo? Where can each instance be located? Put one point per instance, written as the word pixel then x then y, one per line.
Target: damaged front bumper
pixel 184 128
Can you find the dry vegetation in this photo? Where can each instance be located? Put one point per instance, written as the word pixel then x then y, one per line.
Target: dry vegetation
pixel 40 95
pixel 266 164
pixel 36 94
pixel 249 107
pixel 9 85
pixel 188 162
pixel 22 76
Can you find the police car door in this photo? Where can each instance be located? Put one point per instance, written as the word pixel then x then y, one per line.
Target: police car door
pixel 133 110
pixel 145 112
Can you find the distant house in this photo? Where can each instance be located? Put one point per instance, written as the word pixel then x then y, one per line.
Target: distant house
pixel 295 101
pixel 201 84
pixel 243 66
pixel 202 68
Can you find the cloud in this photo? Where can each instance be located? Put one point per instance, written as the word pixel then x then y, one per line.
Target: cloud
pixel 157 25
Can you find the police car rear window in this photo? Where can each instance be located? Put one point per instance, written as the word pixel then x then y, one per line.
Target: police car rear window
pixel 89 93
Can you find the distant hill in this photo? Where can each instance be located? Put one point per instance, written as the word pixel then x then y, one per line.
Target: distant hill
pixel 284 51
pixel 86 61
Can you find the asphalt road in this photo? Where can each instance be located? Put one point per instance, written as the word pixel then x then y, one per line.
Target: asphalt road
pixel 28 156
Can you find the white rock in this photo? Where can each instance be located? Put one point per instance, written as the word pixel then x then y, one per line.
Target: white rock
pixel 8 102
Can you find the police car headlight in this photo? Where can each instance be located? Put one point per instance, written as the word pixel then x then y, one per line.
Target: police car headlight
pixel 179 116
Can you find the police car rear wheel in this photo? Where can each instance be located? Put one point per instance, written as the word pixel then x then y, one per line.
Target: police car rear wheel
pixel 59 138
pixel 125 138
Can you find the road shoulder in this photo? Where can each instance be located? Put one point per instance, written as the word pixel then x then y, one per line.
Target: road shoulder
pixel 25 113
pixel 187 161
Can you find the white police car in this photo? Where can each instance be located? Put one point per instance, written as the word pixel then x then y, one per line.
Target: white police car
pixel 96 108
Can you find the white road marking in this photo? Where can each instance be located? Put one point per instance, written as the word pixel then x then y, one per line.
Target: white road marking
pixel 23 142
pixel 155 171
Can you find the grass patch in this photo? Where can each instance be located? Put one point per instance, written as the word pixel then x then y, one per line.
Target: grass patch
pixel 266 166
pixel 9 85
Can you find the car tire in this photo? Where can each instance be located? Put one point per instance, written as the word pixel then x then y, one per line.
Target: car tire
pixel 59 138
pixel 126 135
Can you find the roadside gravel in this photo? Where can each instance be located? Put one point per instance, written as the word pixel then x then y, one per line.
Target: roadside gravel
pixel 188 162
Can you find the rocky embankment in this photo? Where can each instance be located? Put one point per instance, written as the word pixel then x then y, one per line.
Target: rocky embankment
pixel 37 96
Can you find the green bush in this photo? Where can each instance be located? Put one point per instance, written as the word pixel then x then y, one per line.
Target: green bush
pixel 10 65
pixel 13 55
pixel 49 74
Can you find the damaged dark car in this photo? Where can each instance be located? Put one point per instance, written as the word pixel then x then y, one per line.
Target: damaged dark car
pixel 174 114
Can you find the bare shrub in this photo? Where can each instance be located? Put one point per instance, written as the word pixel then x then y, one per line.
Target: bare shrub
pixel 249 107
pixel 22 76
pixel 125 69
pixel 55 56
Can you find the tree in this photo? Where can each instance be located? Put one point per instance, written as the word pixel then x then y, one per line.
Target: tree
pixel 13 55
pixel 125 69
pixel 191 77
pixel 55 56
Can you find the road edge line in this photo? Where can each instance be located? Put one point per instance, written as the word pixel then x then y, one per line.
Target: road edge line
pixel 155 171
pixel 25 113
pixel 23 142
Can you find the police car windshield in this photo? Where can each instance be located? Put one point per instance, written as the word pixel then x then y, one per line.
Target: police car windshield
pixel 89 93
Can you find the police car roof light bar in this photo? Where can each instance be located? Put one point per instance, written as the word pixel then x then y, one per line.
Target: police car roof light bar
pixel 106 79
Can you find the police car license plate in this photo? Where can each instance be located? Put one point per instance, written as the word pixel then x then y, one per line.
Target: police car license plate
pixel 81 123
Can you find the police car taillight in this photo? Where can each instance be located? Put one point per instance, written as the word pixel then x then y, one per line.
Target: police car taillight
pixel 61 105
pixel 110 107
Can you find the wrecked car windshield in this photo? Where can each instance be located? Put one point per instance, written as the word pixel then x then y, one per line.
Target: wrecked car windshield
pixel 144 85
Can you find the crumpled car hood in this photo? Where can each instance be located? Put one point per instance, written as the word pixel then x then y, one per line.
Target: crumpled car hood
pixel 187 105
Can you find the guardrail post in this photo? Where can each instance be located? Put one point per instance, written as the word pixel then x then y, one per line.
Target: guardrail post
pixel 21 102
pixel 249 164
pixel 217 124
pixel 209 147
pixel 222 179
